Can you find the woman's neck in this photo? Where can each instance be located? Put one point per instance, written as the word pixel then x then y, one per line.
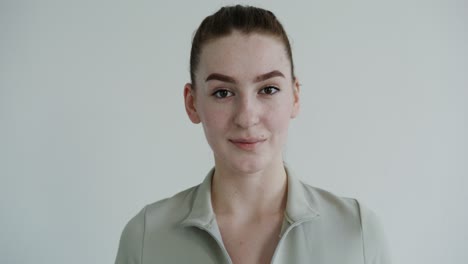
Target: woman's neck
pixel 249 195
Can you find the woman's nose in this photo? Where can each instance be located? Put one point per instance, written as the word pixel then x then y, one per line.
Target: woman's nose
pixel 247 112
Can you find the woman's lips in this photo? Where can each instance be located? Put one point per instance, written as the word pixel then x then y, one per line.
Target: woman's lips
pixel 247 144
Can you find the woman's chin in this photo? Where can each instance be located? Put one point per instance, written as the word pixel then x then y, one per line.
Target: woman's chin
pixel 247 166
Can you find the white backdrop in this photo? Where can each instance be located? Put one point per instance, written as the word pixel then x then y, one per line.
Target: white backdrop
pixel 92 124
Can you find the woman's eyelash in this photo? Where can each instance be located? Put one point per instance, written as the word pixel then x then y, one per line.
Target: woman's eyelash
pixel 270 90
pixel 222 93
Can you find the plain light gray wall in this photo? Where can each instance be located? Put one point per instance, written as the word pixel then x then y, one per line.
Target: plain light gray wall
pixel 92 124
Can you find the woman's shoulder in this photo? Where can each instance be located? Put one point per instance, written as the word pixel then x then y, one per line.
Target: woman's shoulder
pixel 345 211
pixel 167 210
pixel 330 204
pixel 163 211
pixel 160 215
pixel 325 200
pixel 321 201
pixel 178 201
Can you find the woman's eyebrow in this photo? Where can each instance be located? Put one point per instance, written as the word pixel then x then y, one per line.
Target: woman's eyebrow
pixel 220 77
pixel 269 75
pixel 225 78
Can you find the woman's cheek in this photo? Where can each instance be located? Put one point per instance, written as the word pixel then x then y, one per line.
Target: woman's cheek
pixel 216 117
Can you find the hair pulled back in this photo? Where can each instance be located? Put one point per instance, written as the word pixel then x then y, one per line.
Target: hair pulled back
pixel 246 19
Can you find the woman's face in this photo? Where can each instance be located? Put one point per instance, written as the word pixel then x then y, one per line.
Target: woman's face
pixel 244 98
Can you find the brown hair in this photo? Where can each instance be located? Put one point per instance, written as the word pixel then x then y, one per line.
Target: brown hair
pixel 247 19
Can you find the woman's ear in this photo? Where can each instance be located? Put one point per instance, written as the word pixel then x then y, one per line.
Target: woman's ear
pixel 296 104
pixel 189 98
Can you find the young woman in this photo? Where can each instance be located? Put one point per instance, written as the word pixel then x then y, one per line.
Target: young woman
pixel 250 208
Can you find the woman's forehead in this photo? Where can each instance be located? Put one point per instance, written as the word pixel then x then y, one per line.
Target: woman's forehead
pixel 242 54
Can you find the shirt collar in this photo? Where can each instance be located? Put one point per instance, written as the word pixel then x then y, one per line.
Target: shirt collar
pixel 202 213
pixel 298 207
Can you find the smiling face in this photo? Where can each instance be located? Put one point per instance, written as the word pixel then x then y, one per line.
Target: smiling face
pixel 244 97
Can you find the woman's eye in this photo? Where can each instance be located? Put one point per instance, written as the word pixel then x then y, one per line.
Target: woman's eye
pixel 222 93
pixel 269 90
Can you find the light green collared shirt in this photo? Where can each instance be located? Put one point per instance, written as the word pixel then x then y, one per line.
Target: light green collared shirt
pixel 318 227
